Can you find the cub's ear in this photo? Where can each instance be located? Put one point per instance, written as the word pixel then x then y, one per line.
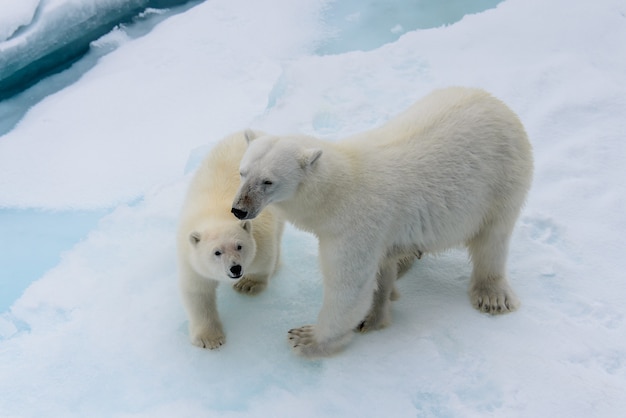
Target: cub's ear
pixel 194 238
pixel 250 135
pixel 246 225
pixel 309 157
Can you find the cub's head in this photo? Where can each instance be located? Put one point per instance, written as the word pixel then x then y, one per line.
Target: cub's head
pixel 271 170
pixel 222 251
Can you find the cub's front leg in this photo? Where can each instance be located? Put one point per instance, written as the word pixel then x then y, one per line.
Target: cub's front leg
pixel 251 284
pixel 205 327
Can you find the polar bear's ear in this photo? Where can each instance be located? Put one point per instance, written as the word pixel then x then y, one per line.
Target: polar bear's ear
pixel 250 135
pixel 246 225
pixel 309 157
pixel 194 238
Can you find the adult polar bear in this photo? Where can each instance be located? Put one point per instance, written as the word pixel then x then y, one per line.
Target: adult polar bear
pixel 453 169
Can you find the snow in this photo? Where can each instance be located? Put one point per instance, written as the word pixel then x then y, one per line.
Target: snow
pixel 15 14
pixel 103 333
pixel 176 86
pixel 38 37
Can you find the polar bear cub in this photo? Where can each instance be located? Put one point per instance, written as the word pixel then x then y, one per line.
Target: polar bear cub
pixel 453 169
pixel 213 246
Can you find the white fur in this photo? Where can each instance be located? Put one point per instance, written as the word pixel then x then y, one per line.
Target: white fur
pixel 248 250
pixel 453 169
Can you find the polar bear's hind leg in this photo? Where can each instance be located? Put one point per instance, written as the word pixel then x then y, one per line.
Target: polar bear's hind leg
pixel 379 315
pixel 489 288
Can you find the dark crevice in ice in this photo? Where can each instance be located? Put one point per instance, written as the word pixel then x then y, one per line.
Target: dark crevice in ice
pixel 22 64
pixel 66 72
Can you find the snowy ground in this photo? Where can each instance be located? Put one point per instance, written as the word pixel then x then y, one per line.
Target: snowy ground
pixel 104 334
pixel 36 36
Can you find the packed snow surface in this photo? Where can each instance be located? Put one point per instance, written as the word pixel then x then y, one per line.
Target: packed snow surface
pixel 104 334
pixel 15 14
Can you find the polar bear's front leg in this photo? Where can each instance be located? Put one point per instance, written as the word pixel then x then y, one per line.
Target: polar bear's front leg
pixel 306 342
pixel 349 284
pixel 205 327
pixel 252 284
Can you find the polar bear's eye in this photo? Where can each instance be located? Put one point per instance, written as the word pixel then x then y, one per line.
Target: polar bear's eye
pixel 268 182
pixel 218 253
pixel 239 247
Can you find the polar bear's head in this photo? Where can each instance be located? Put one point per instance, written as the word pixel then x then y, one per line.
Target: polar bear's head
pixel 271 170
pixel 222 251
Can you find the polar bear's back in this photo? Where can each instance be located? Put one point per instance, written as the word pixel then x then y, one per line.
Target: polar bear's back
pixel 216 180
pixel 457 155
pixel 451 131
pixel 442 116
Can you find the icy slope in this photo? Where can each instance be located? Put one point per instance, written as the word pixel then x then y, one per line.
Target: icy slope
pixel 15 15
pixel 37 37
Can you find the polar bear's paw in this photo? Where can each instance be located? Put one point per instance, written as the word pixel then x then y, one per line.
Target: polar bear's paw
pixel 210 339
pixel 304 342
pixel 494 298
pixel 375 319
pixel 250 286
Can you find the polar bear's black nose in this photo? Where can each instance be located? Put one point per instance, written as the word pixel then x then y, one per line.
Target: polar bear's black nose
pixel 240 214
pixel 236 270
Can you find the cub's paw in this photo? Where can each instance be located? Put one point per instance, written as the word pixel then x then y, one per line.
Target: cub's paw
pixel 210 339
pixel 304 342
pixel 495 298
pixel 249 286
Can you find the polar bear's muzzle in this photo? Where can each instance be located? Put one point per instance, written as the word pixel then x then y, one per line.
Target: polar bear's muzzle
pixel 240 214
pixel 235 271
pixel 243 211
pixel 248 202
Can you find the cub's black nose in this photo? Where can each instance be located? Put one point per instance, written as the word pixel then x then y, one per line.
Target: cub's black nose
pixel 236 270
pixel 240 214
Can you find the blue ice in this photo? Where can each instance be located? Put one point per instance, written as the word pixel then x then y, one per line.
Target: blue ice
pixel 366 25
pixel 33 242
